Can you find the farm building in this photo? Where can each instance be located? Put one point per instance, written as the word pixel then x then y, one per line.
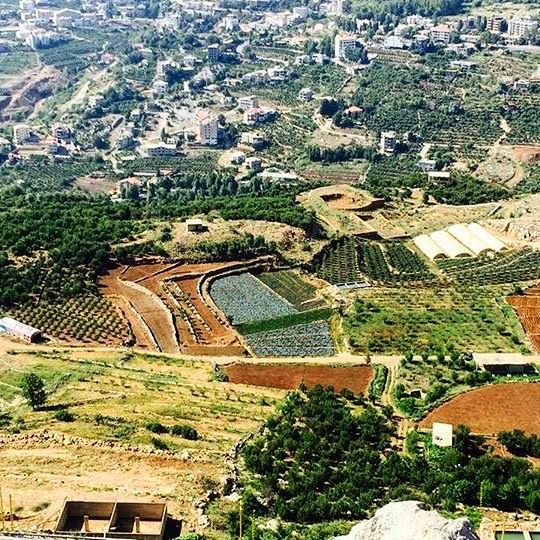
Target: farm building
pixel 473 243
pixel 19 330
pixel 130 520
pixel 195 225
pixel 488 238
pixel 451 247
pixel 428 247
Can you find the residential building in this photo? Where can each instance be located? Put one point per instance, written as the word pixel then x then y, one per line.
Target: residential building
pixel 21 134
pixel 248 102
pixel 440 34
pixel 253 138
pixel 66 17
pixel 195 225
pixel 305 94
pixel 160 87
pixel 521 26
pixel 213 52
pixel 253 164
pixel 427 165
pixel 61 131
pixel 159 150
pixel 522 85
pixel 230 23
pixel 388 142
pixel 495 24
pixel 337 7
pixel 300 13
pixel 207 126
pixel 342 43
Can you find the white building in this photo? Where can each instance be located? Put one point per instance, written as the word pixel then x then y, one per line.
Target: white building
pixel 440 34
pixel 337 7
pixel 21 133
pixel 66 17
pixel 300 13
pixel 230 23
pixel 343 43
pixel 521 26
pixel 388 142
pixel 248 102
pixel 207 126
pixel 305 94
pixel 159 87
pixel 159 150
pixel 60 131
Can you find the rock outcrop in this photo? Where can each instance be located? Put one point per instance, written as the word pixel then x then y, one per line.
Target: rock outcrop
pixel 408 520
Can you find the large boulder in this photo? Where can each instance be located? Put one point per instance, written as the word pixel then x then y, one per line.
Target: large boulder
pixel 408 520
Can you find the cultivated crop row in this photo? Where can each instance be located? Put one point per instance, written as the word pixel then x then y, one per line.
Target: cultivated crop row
pixel 88 318
pixel 289 285
pixel 311 339
pixel 338 262
pixel 243 299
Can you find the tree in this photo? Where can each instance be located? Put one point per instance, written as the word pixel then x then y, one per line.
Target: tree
pixel 33 389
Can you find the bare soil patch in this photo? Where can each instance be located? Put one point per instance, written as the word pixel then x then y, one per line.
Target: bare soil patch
pixel 527 307
pixel 290 376
pixel 492 409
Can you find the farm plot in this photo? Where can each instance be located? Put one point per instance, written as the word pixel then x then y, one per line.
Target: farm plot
pixel 292 287
pixel 288 376
pixel 523 265
pixel 338 262
pixel 527 307
pixel 312 339
pixel 492 409
pixel 392 321
pixel 88 319
pixel 244 299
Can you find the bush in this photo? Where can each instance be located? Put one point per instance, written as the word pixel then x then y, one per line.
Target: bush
pixel 156 427
pixel 63 415
pixel 159 444
pixel 185 431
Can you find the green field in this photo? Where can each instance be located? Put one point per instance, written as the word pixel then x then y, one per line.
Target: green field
pixel 13 63
pixel 289 285
pixel 393 321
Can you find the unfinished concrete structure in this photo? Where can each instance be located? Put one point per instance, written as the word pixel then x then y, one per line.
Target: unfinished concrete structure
pixel 130 520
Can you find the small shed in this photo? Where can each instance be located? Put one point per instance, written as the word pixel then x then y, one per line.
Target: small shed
pixel 441 434
pixel 195 225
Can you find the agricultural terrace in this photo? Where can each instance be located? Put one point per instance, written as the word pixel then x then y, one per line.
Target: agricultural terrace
pixel 507 267
pixel 290 376
pixel 492 409
pixel 165 308
pixel 392 321
pixel 270 324
pixel 393 263
pixel 85 319
pixel 527 306
pixel 128 406
pixel 293 288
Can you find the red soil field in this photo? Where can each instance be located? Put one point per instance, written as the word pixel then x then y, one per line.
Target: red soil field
pixel 492 409
pixel 527 307
pixel 290 376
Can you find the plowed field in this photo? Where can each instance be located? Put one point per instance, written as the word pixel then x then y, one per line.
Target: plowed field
pixel 492 409
pixel 527 307
pixel 289 377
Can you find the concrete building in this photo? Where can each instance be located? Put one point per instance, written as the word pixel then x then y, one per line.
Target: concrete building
pixel 337 7
pixel 213 52
pixel 305 94
pixel 342 43
pixel 427 165
pixel 65 18
pixel 21 133
pixel 195 225
pixel 207 126
pixel 61 131
pixel 248 102
pixel 521 26
pixel 19 330
pixel 230 23
pixel 253 164
pixel 159 150
pixel 440 34
pixel 388 142
pixel 160 87
pixel 495 24
pixel 126 520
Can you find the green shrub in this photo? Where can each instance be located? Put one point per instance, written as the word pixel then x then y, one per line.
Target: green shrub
pixel 156 427
pixel 185 431
pixel 219 374
pixel 158 443
pixel 64 415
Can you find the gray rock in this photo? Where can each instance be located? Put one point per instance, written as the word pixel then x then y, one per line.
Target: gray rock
pixel 408 520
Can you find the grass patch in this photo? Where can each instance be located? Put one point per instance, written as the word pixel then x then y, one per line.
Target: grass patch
pixel 285 321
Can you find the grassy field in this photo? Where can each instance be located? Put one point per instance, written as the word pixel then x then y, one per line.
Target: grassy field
pixel 289 285
pixel 393 321
pixel 107 447
pixel 13 63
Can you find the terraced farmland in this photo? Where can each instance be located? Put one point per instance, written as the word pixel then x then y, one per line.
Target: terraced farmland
pixel 338 262
pixel 311 339
pixel 243 298
pixel 523 265
pixel 527 307
pixel 291 286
